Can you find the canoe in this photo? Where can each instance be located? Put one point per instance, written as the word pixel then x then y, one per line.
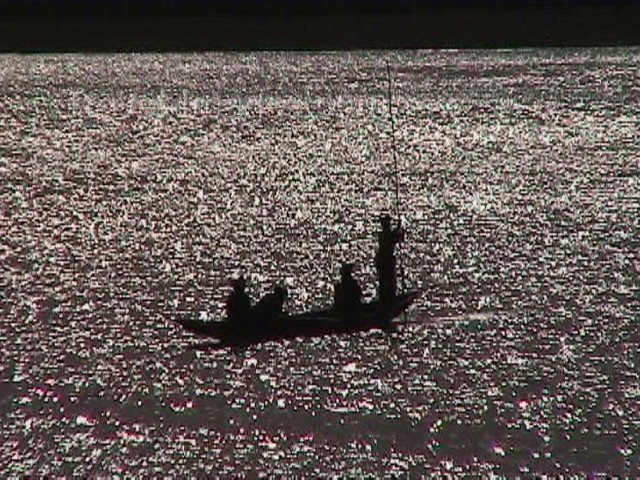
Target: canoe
pixel 317 323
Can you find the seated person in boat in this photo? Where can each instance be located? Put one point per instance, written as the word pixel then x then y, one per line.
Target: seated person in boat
pixel 388 238
pixel 271 305
pixel 347 296
pixel 238 303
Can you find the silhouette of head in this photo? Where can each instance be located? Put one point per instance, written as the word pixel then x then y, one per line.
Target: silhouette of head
pixel 385 221
pixel 239 284
pixel 346 269
pixel 280 291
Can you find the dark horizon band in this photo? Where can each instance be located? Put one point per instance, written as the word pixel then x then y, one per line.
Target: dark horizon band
pixel 200 25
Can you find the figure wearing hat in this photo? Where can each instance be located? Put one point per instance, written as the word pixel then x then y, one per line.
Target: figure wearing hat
pixel 238 303
pixel 388 238
pixel 347 293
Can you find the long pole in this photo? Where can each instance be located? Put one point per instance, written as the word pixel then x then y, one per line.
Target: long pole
pixel 396 174
pixel 393 143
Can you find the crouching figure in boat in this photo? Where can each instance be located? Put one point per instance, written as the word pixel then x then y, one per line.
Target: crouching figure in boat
pixel 238 304
pixel 240 312
pixel 271 306
pixel 347 297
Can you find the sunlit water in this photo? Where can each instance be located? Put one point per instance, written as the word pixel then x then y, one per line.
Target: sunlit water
pixel 132 187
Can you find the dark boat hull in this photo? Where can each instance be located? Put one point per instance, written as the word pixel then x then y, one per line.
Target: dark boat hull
pixel 311 324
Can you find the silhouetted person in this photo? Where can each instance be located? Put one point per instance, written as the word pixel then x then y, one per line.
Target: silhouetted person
pixel 238 302
pixel 271 305
pixel 347 296
pixel 388 238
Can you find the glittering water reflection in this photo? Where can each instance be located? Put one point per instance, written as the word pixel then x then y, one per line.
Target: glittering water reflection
pixel 520 187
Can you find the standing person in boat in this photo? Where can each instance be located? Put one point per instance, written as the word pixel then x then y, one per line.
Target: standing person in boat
pixel 271 306
pixel 238 303
pixel 347 296
pixel 388 238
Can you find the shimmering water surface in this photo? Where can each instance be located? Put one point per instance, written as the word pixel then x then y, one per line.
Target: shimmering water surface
pixel 132 187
